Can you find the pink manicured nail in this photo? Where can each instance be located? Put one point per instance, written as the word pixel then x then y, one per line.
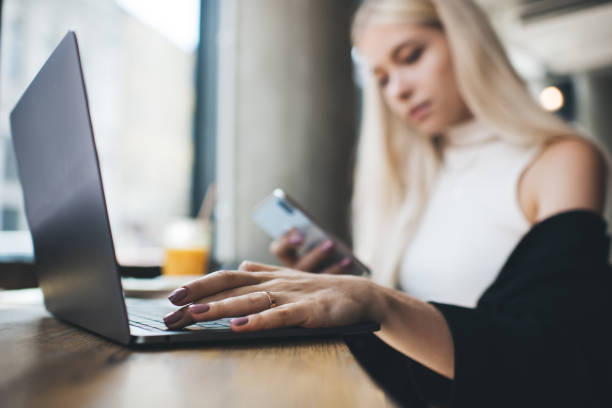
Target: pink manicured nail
pixel 296 238
pixel 345 262
pixel 199 308
pixel 241 321
pixel 327 245
pixel 178 295
pixel 173 317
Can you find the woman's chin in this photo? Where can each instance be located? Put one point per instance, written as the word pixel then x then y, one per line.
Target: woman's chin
pixel 429 127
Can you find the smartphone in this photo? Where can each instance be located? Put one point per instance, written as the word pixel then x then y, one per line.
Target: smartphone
pixel 279 213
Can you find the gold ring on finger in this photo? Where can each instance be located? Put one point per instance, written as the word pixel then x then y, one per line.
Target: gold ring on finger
pixel 270 300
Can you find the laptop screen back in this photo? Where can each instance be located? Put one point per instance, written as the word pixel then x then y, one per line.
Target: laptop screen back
pixel 64 200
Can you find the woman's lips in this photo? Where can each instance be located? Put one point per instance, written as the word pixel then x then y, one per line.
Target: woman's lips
pixel 420 111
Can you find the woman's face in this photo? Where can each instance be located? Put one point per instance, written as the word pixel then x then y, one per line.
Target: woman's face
pixel 413 67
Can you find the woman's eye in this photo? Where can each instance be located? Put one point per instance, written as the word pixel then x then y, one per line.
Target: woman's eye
pixel 382 81
pixel 413 56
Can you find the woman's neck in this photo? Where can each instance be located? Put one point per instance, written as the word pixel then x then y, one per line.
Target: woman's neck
pixel 469 132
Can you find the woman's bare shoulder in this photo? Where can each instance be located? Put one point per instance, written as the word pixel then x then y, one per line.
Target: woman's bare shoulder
pixel 570 173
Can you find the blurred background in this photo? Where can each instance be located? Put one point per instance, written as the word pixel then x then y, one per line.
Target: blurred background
pixel 252 95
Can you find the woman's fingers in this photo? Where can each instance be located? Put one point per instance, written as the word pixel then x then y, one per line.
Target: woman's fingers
pixel 226 294
pixel 339 267
pixel 214 283
pixel 230 307
pixel 284 247
pixel 281 316
pixel 313 259
pixel 177 319
pixel 257 267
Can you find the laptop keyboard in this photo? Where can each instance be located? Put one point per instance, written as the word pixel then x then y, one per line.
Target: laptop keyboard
pixel 149 315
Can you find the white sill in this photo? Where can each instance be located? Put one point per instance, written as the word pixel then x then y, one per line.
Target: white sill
pixel 16 246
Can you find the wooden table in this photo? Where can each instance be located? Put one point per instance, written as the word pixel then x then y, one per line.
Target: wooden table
pixel 47 363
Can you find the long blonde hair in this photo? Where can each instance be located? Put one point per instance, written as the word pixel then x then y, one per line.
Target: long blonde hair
pixel 396 167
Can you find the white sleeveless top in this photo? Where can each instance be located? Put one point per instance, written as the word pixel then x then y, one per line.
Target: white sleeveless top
pixel 472 221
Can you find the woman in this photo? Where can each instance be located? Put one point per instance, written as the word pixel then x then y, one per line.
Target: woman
pixel 456 163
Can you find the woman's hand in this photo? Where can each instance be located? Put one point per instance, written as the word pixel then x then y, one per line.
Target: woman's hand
pixel 267 297
pixel 285 250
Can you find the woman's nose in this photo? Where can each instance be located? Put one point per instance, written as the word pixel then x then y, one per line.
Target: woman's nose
pixel 400 88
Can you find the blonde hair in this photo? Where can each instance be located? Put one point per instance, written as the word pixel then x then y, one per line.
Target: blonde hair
pixel 396 167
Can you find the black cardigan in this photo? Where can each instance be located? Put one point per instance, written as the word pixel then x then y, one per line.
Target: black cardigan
pixel 540 335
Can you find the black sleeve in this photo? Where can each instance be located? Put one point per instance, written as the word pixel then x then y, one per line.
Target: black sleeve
pixel 405 382
pixel 541 333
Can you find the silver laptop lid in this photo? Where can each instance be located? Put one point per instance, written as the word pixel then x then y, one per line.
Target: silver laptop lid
pixel 64 199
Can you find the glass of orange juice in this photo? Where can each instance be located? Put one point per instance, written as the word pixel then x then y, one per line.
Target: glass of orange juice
pixel 187 247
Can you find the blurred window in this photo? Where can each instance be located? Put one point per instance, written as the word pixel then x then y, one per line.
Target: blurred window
pixel 139 60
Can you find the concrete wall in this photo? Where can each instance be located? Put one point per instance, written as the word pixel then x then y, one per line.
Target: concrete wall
pixel 287 115
pixel 595 104
pixel 594 113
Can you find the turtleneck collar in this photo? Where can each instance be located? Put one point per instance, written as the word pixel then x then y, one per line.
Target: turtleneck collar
pixel 469 133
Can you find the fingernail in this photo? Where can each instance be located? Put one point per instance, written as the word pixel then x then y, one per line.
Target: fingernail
pixel 173 317
pixel 178 295
pixel 199 308
pixel 345 262
pixel 327 245
pixel 296 238
pixel 241 321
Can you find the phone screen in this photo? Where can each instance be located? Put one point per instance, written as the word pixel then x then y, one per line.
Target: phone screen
pixel 277 215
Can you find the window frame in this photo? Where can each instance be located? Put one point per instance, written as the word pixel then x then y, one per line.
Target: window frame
pixel 205 120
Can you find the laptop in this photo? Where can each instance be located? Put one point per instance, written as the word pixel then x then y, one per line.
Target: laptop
pixel 66 211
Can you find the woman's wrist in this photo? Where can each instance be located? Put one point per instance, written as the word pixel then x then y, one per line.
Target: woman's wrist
pixel 413 327
pixel 377 302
